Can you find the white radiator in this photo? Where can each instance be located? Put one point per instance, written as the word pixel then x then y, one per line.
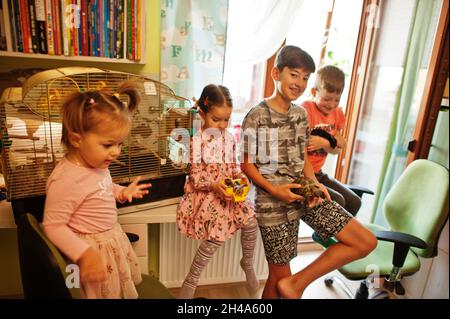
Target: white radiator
pixel 177 252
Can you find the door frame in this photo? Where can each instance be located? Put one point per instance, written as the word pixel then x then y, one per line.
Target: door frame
pixel 365 46
pixel 430 104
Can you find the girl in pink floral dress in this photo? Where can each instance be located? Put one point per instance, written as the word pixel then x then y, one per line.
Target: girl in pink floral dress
pixel 206 212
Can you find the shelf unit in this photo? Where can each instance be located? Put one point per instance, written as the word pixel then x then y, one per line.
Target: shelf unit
pixel 69 58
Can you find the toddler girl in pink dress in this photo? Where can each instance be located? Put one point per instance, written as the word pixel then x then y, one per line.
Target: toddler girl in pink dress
pixel 80 215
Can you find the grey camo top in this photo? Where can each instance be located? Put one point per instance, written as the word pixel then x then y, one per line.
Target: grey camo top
pixel 275 143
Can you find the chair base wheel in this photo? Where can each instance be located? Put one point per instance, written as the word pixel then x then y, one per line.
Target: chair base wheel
pixel 328 282
pixel 380 295
pixel 394 286
pixel 399 289
pixel 362 292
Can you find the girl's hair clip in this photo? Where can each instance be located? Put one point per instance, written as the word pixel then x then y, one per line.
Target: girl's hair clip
pixel 91 101
pixel 205 101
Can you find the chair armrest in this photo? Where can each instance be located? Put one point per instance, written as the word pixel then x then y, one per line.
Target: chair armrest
pixel 360 190
pixel 402 242
pixel 401 238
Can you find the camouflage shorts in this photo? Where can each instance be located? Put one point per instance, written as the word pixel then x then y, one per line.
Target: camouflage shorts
pixel 280 242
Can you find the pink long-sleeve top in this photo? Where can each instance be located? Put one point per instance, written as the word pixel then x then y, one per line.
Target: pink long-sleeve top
pixel 79 200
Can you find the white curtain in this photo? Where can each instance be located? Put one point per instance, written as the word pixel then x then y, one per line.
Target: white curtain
pixel 257 28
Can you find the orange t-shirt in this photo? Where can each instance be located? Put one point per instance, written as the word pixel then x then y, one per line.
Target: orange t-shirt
pixel 332 123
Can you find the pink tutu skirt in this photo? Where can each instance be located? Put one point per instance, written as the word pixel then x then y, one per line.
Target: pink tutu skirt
pixel 122 266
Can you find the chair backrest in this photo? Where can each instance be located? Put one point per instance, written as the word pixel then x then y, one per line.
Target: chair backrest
pixel 42 267
pixel 417 204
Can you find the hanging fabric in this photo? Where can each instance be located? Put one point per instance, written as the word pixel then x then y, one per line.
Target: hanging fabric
pixel 193 34
pixel 257 28
pixel 401 130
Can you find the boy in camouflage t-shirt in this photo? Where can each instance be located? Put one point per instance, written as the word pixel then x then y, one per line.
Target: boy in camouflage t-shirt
pixel 275 135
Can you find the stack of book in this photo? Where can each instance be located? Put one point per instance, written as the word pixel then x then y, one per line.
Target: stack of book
pixel 100 28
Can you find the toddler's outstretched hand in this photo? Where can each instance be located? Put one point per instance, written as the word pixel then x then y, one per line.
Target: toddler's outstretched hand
pixel 134 190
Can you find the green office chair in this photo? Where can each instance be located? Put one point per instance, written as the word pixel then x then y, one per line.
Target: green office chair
pixel 416 209
pixel 43 268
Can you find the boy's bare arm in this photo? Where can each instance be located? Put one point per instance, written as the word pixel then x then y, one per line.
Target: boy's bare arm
pixel 308 171
pixel 282 192
pixel 252 172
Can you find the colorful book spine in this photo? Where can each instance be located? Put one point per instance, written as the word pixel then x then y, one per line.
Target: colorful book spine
pixel 133 29
pixel 129 30
pixel 7 29
pixel 49 27
pixel 32 26
pixel 100 23
pixel 65 23
pixel 91 14
pixel 78 26
pixel 12 21
pixel 138 28
pixel 3 45
pixel 18 25
pixel 121 30
pixel 111 29
pixel 40 26
pixel 74 27
pixel 94 27
pixel 57 29
pixel 117 28
pixel 106 18
pixel 25 23
pixel 84 28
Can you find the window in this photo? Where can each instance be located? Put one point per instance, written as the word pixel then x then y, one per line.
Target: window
pixel 380 94
pixel 331 39
pixel 246 84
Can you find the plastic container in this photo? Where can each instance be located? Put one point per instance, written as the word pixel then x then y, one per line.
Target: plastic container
pixel 237 188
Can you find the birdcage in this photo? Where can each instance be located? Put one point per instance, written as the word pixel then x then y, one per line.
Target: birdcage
pixel 31 129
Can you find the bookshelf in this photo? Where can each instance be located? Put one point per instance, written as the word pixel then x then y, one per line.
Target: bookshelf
pixel 92 44
pixel 68 58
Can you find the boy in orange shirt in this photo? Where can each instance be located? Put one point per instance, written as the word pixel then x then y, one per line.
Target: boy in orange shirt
pixel 327 121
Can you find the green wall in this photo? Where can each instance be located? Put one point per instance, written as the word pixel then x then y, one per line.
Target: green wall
pixel 10 283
